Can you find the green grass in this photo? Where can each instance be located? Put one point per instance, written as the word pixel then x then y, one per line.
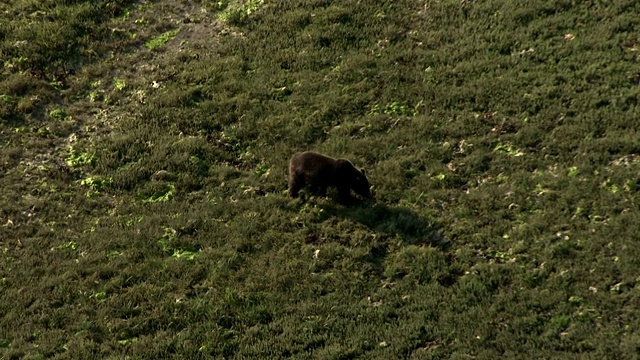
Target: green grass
pixel 236 12
pixel 154 43
pixel 144 210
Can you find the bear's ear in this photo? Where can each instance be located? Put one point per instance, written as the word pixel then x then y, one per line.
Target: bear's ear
pixel 362 171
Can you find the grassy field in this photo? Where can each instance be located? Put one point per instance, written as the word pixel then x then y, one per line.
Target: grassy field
pixel 143 165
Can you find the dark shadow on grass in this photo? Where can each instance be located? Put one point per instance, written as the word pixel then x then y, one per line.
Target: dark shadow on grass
pixel 384 220
pixel 392 221
pixel 388 223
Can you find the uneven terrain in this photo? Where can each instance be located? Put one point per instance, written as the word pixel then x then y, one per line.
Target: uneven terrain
pixel 143 173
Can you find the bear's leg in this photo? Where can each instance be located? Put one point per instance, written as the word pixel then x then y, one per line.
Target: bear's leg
pixel 295 184
pixel 344 192
pixel 317 190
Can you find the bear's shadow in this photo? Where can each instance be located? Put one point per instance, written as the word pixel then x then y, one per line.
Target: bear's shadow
pixel 391 221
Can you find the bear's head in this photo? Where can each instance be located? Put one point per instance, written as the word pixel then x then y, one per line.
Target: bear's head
pixel 360 184
pixel 354 178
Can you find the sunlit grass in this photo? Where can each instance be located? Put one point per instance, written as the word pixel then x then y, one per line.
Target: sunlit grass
pixel 144 210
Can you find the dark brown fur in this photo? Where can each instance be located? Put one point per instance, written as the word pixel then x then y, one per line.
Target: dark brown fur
pixel 320 172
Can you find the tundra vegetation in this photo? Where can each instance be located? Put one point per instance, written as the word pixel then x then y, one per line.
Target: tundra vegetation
pixel 143 165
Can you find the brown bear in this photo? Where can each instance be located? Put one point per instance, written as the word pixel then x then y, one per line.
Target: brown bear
pixel 321 171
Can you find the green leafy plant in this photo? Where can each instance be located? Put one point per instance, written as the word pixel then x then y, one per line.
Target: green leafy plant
pixel 508 149
pixel 71 245
pixel 77 158
pixel 165 243
pixel 100 296
pixel 119 83
pixel 162 39
pixel 58 114
pixel 237 11
pixel 163 195
pixel 96 184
